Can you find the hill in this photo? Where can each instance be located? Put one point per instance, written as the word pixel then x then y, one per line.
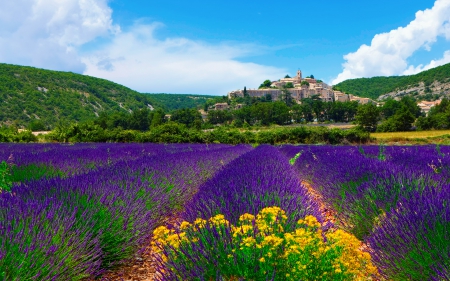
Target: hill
pixel 29 94
pixel 172 102
pixel 428 84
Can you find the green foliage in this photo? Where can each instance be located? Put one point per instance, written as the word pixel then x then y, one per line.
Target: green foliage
pixel 170 102
pixel 304 83
pixel 219 116
pixel 172 132
pixel 187 116
pixel 401 121
pixel 289 85
pixel 29 94
pixel 367 116
pixel 376 86
pixel 6 179
pixel 34 172
pixel 11 134
pixel 438 117
pixel 265 84
pixel 293 159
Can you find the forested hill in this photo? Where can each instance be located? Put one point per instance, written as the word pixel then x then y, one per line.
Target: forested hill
pixel 178 101
pixel 30 94
pixel 435 81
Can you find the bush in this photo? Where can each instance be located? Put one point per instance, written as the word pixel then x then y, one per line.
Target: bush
pixel 258 248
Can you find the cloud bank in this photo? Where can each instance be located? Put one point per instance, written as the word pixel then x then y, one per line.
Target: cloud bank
pixel 48 33
pixel 388 52
pixel 53 34
pixel 176 65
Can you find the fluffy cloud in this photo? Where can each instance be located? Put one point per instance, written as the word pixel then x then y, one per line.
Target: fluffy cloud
pixel 53 34
pixel 388 52
pixel 176 65
pixel 48 33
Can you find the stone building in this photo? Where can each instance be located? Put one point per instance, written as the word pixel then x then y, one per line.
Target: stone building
pixel 299 92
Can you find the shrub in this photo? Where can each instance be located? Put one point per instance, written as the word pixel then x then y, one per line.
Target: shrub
pixel 258 248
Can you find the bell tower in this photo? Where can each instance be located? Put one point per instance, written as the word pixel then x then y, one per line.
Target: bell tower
pixel 299 75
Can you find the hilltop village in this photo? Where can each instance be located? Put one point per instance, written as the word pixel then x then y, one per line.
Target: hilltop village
pixel 299 88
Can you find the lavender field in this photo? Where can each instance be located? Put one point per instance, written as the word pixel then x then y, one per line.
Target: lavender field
pixel 72 212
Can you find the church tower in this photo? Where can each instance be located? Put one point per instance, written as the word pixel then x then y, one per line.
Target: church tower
pixel 299 75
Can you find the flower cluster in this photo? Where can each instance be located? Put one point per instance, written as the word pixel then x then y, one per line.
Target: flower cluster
pixel 257 247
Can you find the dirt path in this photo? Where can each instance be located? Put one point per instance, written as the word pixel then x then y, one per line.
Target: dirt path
pixel 329 215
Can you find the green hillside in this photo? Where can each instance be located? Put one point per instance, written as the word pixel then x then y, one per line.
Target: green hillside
pixel 176 101
pixel 29 94
pixel 377 86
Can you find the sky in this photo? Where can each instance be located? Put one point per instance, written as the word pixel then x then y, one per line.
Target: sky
pixel 213 47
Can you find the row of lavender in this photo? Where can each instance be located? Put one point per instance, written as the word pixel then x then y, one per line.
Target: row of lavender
pixel 258 179
pixel 101 209
pixel 395 198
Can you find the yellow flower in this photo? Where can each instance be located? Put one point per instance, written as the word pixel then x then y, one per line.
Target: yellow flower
pixel 200 223
pixel 262 259
pixel 246 218
pixel 184 225
pixel 248 242
pixel 219 220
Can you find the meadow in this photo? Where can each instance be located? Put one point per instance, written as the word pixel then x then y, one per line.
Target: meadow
pixel 410 135
pixel 290 212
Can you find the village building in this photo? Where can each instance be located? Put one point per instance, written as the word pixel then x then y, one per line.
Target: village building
pixel 221 106
pixel 309 88
pixel 426 106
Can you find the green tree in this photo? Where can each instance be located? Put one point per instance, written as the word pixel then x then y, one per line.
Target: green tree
pixel 412 106
pixel 219 116
pixel 286 96
pixel 367 116
pixel 140 120
pixel 157 118
pixel 186 116
pixel 389 108
pixel 289 85
pixel 265 84
pixel 401 121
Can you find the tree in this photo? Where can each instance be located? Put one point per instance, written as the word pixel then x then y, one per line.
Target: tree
pixel 304 83
pixel 390 107
pixel 412 106
pixel 367 116
pixel 287 76
pixel 289 85
pixel 401 121
pixel 140 120
pixel 286 96
pixel 157 118
pixel 219 116
pixel 245 91
pixel 265 84
pixel 186 116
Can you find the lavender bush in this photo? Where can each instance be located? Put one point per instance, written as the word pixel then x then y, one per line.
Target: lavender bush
pixel 258 179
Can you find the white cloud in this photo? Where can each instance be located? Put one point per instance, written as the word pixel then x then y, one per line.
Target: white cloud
pixel 53 34
pixel 433 63
pixel 176 65
pixel 48 33
pixel 388 52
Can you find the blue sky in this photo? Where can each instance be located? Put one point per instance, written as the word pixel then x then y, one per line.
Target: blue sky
pixel 212 47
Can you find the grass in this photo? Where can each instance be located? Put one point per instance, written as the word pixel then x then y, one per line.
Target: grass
pixel 409 135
